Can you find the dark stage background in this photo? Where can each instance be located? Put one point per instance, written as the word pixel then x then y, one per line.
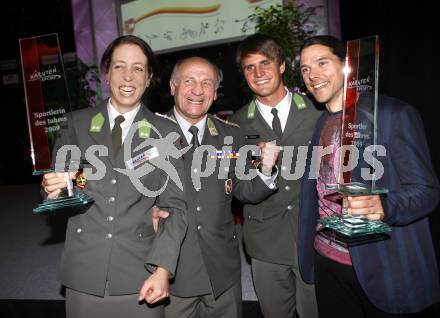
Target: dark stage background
pixel 407 69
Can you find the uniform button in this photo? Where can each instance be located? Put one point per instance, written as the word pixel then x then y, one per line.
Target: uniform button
pixel 109 235
pixel 79 230
pixel 199 227
pixel 289 207
pixel 234 236
pixel 113 181
pixel 287 188
pixel 110 218
pixel 199 209
pixel 111 199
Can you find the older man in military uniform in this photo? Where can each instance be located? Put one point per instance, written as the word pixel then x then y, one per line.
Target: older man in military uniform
pixel 207 281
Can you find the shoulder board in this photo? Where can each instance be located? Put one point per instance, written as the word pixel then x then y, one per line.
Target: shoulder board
pixel 230 123
pixel 97 122
pixel 211 127
pixel 171 118
pixel 144 128
pixel 299 101
pixel 251 110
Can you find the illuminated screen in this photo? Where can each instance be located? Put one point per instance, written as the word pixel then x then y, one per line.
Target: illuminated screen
pixel 169 25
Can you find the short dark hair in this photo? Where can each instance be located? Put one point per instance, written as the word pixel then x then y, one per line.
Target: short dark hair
pixel 334 44
pixel 131 39
pixel 260 44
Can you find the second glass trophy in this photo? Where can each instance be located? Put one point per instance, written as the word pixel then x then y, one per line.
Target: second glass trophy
pixel 358 134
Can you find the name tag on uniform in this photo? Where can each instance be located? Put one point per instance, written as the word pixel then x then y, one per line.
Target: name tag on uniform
pixel 141 158
pixel 251 136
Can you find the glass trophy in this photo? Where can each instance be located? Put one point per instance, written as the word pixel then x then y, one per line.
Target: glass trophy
pixel 47 103
pixel 358 134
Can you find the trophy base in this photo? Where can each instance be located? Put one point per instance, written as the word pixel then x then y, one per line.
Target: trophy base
pixel 355 188
pixel 79 199
pixel 353 230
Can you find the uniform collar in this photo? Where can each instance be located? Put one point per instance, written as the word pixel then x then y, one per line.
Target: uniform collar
pixel 184 126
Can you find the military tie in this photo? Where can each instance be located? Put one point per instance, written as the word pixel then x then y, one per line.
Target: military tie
pixel 117 134
pixel 195 138
pixel 276 123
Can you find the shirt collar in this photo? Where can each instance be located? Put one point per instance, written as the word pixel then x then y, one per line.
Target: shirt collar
pixel 184 125
pixel 129 116
pixel 283 106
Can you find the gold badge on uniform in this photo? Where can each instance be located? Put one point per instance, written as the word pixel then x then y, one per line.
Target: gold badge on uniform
pixel 80 179
pixel 228 186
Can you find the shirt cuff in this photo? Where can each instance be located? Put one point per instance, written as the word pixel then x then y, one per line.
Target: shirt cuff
pixel 270 181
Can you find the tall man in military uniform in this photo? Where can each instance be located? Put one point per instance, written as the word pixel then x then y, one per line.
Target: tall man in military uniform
pixel 207 281
pixel 271 227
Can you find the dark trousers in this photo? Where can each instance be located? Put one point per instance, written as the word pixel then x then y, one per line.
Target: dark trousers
pixel 227 305
pixel 81 305
pixel 282 292
pixel 339 293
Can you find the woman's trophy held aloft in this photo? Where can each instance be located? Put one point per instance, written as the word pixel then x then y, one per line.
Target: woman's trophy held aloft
pixel 47 105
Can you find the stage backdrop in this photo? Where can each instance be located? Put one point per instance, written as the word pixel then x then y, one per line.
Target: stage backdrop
pixel 170 25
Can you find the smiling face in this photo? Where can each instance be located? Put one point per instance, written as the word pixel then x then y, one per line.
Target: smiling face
pixel 264 77
pixel 194 88
pixel 127 76
pixel 322 72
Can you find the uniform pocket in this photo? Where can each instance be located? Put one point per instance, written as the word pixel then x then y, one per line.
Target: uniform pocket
pixel 253 213
pixel 230 232
pixel 144 232
pixel 75 233
pixel 74 225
